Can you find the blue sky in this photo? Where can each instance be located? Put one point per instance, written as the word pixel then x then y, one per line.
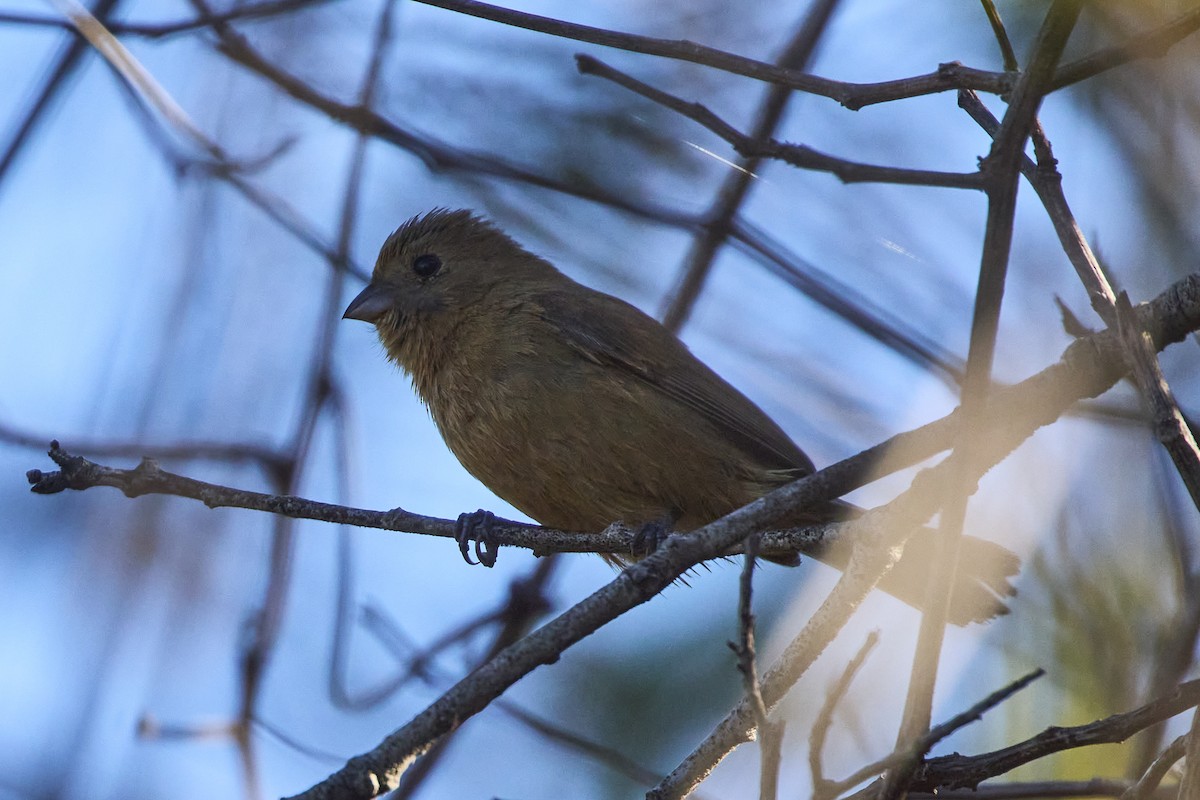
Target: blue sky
pixel 139 304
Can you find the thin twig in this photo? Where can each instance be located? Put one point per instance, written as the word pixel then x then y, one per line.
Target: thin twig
pixel 770 734
pixel 1002 167
pixel 1170 427
pixel 1002 40
pixel 736 187
pixel 957 771
pixel 918 750
pixel 67 62
pixel 1088 367
pixel 947 77
pixel 796 155
pixel 824 719
pixel 1047 183
pixel 1157 770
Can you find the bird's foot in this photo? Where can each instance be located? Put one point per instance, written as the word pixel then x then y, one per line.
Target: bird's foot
pixel 475 527
pixel 650 537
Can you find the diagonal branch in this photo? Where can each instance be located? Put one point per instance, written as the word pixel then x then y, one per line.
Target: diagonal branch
pixel 797 155
pixel 958 771
pixel 1002 168
pixel 1089 366
pixel 994 443
pixel 735 188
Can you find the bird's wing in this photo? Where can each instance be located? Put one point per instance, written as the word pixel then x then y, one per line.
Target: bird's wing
pixel 610 331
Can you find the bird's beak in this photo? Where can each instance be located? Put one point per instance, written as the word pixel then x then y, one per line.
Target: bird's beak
pixel 370 304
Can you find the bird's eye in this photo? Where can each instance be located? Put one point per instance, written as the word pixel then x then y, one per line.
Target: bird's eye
pixel 426 265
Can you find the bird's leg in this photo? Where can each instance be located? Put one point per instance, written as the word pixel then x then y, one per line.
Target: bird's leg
pixel 652 534
pixel 476 526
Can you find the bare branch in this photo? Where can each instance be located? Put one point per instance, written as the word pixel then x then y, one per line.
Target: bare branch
pixel 1169 425
pixel 990 447
pixel 1088 367
pixel 957 771
pixel 1047 183
pixel 770 734
pixel 823 787
pixel 913 754
pixel 1157 770
pixel 797 155
pixel 1002 167
pixel 854 96
pixel 736 187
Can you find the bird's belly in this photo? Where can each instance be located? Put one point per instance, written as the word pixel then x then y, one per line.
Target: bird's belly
pixel 578 460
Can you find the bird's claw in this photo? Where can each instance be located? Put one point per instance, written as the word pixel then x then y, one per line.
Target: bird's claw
pixel 649 538
pixel 476 527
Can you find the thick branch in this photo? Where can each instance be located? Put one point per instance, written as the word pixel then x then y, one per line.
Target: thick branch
pixel 1088 367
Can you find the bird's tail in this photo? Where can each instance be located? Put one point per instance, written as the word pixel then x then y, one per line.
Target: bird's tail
pixel 981 585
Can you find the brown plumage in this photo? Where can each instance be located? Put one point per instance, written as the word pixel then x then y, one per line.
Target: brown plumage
pixel 579 409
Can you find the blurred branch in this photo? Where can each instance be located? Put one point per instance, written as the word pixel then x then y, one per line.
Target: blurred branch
pixel 1002 171
pixel 824 720
pixel 161 30
pixel 230 452
pixel 846 302
pixel 800 156
pixel 1153 43
pixel 1158 769
pixel 912 754
pixel 736 186
pixel 66 64
pixel 770 734
pixel 322 377
pixel 433 153
pixel 150 92
pixel 1089 366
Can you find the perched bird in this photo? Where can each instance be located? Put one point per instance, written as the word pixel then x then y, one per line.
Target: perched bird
pixel 580 410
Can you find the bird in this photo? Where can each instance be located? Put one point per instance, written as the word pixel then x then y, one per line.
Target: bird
pixel 580 410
